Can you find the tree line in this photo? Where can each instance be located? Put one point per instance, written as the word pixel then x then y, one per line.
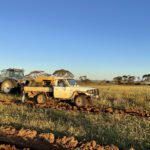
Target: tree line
pixel 128 79
pixel 125 79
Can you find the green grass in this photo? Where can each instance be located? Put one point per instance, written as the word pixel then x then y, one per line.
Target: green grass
pixel 124 96
pixel 121 96
pixel 122 130
pixel 9 97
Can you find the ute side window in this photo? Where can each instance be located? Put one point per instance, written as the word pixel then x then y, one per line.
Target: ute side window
pixel 61 83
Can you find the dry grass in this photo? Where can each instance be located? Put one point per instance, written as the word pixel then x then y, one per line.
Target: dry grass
pixel 9 97
pixel 122 130
pixel 125 96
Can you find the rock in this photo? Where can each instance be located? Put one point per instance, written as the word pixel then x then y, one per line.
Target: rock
pixel 7 147
pixel 27 133
pixel 99 147
pixel 109 110
pixel 72 143
pixel 131 148
pixel 112 147
pixel 68 142
pixel 48 136
pixel 93 144
pixel 8 130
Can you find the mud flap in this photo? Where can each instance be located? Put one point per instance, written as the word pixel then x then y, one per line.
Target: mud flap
pixel 23 98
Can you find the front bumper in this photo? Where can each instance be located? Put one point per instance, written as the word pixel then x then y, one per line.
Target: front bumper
pixel 94 94
pixel 95 97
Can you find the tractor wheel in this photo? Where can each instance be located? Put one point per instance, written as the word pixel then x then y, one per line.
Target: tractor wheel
pixel 7 86
pixel 81 101
pixel 41 99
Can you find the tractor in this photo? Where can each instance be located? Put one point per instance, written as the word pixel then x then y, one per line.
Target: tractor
pixel 11 80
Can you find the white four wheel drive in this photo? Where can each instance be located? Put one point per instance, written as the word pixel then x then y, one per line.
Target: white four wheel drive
pixel 46 87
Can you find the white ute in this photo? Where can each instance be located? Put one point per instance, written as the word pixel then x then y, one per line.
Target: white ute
pixel 60 88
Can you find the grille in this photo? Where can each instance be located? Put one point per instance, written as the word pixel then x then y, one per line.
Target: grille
pixel 95 92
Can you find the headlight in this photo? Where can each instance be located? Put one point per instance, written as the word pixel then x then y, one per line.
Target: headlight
pixel 90 92
pixel 93 92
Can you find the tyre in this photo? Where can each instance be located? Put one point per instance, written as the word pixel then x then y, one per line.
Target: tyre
pixel 81 101
pixel 41 99
pixel 7 86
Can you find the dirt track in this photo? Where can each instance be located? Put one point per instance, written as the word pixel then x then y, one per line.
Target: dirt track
pixel 30 139
pixel 69 107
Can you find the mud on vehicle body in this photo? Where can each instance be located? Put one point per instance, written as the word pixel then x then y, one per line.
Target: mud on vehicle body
pixel 10 80
pixel 44 87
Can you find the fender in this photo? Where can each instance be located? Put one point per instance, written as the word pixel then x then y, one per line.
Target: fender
pixel 76 93
pixel 15 83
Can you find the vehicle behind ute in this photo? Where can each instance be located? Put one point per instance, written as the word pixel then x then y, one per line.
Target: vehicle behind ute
pixel 11 79
pixel 45 87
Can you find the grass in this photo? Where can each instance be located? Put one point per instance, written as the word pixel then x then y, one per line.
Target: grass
pixel 9 97
pixel 122 130
pixel 124 96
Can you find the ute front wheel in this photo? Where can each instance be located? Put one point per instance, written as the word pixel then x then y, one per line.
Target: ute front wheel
pixel 81 101
pixel 41 99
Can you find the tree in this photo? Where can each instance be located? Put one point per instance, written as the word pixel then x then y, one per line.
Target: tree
pixel 83 78
pixel 146 77
pixel 131 79
pixel 139 79
pixel 35 74
pixel 63 73
pixel 125 78
pixel 118 80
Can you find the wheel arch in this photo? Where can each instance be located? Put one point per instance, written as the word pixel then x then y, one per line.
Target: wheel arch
pixel 76 94
pixel 32 94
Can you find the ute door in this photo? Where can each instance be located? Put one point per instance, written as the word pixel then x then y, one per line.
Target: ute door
pixel 62 90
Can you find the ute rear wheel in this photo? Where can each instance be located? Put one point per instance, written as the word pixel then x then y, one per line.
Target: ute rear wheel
pixel 7 86
pixel 41 99
pixel 81 101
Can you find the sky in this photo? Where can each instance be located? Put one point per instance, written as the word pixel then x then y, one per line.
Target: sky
pixel 98 38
